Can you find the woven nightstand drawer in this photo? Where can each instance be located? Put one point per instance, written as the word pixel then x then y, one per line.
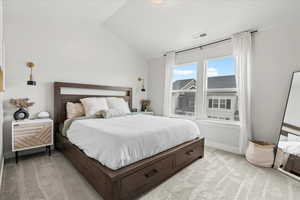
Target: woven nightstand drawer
pixel 31 134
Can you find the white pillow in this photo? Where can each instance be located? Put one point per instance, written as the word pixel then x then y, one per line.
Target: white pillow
pixel 74 110
pixel 93 104
pixel 118 103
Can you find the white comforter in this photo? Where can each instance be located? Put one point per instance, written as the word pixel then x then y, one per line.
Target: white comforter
pixel 120 141
pixel 291 147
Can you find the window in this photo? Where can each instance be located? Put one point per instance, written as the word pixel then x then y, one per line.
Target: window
pixel 215 103
pixel 184 79
pixel 217 99
pixel 222 99
pixel 222 103
pixel 210 103
pixel 228 104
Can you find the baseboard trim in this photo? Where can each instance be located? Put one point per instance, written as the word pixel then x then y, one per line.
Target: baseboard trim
pixel 1 172
pixel 223 147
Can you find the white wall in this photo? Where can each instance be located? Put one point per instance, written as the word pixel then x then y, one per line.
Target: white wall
pixel 276 56
pixel 1 94
pixel 69 49
pixel 156 78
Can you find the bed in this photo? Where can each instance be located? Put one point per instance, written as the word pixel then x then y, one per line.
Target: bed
pixel 131 178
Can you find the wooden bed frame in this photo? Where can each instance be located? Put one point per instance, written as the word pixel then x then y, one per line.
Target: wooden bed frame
pixel 130 181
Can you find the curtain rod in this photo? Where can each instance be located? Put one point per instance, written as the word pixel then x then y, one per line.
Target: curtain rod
pixel 208 44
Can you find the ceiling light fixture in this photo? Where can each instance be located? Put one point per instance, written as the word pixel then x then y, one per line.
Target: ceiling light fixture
pixel 157 1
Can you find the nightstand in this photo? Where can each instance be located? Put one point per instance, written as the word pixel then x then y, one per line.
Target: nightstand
pixel 30 134
pixel 144 113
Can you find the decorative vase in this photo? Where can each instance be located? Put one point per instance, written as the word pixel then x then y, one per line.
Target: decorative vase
pixel 21 114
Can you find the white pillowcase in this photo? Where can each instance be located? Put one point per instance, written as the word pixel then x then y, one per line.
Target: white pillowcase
pixel 74 110
pixel 94 104
pixel 118 103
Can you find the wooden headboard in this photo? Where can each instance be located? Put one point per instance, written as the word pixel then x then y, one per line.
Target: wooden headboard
pixel 61 99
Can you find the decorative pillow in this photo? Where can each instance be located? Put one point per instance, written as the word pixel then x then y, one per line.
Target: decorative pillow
pixel 110 113
pixel 74 110
pixel 118 103
pixel 93 105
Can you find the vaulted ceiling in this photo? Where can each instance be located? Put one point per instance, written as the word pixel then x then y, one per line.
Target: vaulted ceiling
pixel 99 10
pixel 153 27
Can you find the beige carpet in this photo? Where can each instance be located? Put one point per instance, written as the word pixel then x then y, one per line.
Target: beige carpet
pixel 219 176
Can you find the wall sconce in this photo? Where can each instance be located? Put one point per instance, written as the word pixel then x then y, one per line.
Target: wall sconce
pixel 30 65
pixel 2 86
pixel 140 79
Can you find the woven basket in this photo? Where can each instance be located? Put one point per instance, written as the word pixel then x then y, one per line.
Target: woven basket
pixel 260 153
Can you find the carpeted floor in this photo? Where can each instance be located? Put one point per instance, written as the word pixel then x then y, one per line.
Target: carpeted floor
pixel 219 176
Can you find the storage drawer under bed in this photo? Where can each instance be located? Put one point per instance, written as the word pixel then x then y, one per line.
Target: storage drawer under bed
pixel 188 154
pixel 160 170
pixel 151 174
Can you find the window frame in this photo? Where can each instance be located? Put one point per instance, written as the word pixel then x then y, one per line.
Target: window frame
pixel 172 114
pixel 201 100
pixel 206 90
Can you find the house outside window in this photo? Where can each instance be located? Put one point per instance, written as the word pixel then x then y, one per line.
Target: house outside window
pixel 219 101
pixel 184 89
pixel 221 89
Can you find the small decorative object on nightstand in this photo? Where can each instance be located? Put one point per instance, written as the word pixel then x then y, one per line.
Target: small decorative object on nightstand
pixel 31 134
pixel 43 115
pixel 146 105
pixel 23 105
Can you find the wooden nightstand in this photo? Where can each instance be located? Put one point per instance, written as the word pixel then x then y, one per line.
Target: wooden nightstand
pixel 29 134
pixel 144 113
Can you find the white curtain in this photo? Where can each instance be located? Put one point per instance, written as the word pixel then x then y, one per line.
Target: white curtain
pixel 169 63
pixel 242 50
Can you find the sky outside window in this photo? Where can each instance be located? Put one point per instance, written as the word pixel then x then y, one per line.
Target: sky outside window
pixel 217 67
pixel 221 67
pixel 185 72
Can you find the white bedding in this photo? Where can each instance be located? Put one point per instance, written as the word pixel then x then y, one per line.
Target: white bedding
pixel 120 141
pixel 291 147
